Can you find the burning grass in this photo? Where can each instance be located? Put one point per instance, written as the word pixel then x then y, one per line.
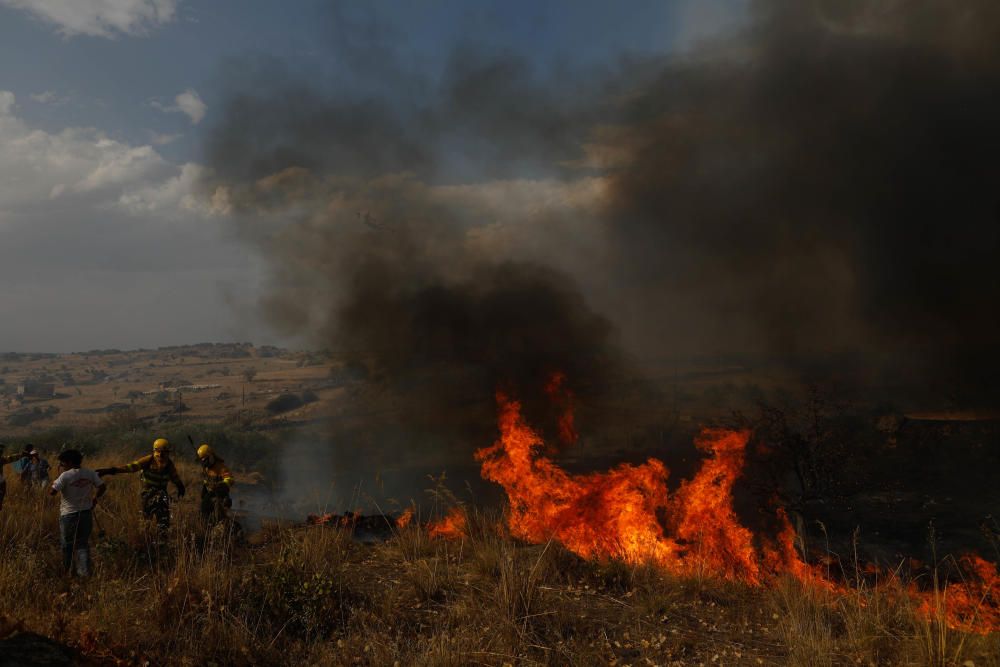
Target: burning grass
pixel 628 514
pixel 311 595
pixel 603 568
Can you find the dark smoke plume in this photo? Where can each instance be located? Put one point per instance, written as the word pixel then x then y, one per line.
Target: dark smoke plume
pixel 829 191
pixel 820 189
pixel 412 298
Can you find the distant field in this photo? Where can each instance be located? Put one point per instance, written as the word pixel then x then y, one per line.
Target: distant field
pixel 205 383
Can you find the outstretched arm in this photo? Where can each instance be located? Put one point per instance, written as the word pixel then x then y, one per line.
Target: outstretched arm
pixel 136 465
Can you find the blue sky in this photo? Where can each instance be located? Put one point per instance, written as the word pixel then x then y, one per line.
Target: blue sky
pixel 103 113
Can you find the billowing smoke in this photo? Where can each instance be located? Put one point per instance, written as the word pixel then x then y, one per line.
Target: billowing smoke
pixel 820 188
pixel 825 191
pixel 417 238
pixel 399 277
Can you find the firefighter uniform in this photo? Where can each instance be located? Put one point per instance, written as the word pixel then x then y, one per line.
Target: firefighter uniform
pixel 216 484
pixel 155 471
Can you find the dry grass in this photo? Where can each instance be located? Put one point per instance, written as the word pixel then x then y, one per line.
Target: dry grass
pixel 312 596
pixel 874 625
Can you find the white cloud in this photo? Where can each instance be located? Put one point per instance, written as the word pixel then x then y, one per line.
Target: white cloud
pixel 177 195
pixel 99 18
pixel 115 163
pixel 162 139
pixel 50 98
pixel 188 103
pixel 36 165
pixel 108 234
pixel 46 97
pixel 7 101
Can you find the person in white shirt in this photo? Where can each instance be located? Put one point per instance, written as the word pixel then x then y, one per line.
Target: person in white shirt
pixel 77 486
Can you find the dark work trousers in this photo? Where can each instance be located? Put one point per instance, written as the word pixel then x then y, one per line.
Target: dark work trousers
pixel 74 535
pixel 156 503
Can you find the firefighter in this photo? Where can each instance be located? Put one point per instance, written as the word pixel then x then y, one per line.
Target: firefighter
pixel 216 485
pixel 155 471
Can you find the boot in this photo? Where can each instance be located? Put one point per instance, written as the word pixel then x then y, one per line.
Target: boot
pixel 83 562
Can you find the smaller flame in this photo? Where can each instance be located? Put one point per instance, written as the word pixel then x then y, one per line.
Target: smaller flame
pixel 450 527
pixel 345 520
pixel 784 557
pixel 971 605
pixel 404 519
pixel 562 397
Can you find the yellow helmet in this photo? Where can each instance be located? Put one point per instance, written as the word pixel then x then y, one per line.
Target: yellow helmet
pixel 205 451
pixel 161 445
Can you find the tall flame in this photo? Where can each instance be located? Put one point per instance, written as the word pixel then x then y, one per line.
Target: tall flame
pixel 562 397
pixel 617 514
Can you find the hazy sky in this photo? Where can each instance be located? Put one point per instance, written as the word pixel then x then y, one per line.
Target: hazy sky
pixel 105 240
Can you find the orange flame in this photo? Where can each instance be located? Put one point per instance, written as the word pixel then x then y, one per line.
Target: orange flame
pixel 784 557
pixel 627 513
pixel 563 397
pixel 345 520
pixel 404 519
pixel 450 527
pixel 972 605
pixel 704 514
pixel 616 514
